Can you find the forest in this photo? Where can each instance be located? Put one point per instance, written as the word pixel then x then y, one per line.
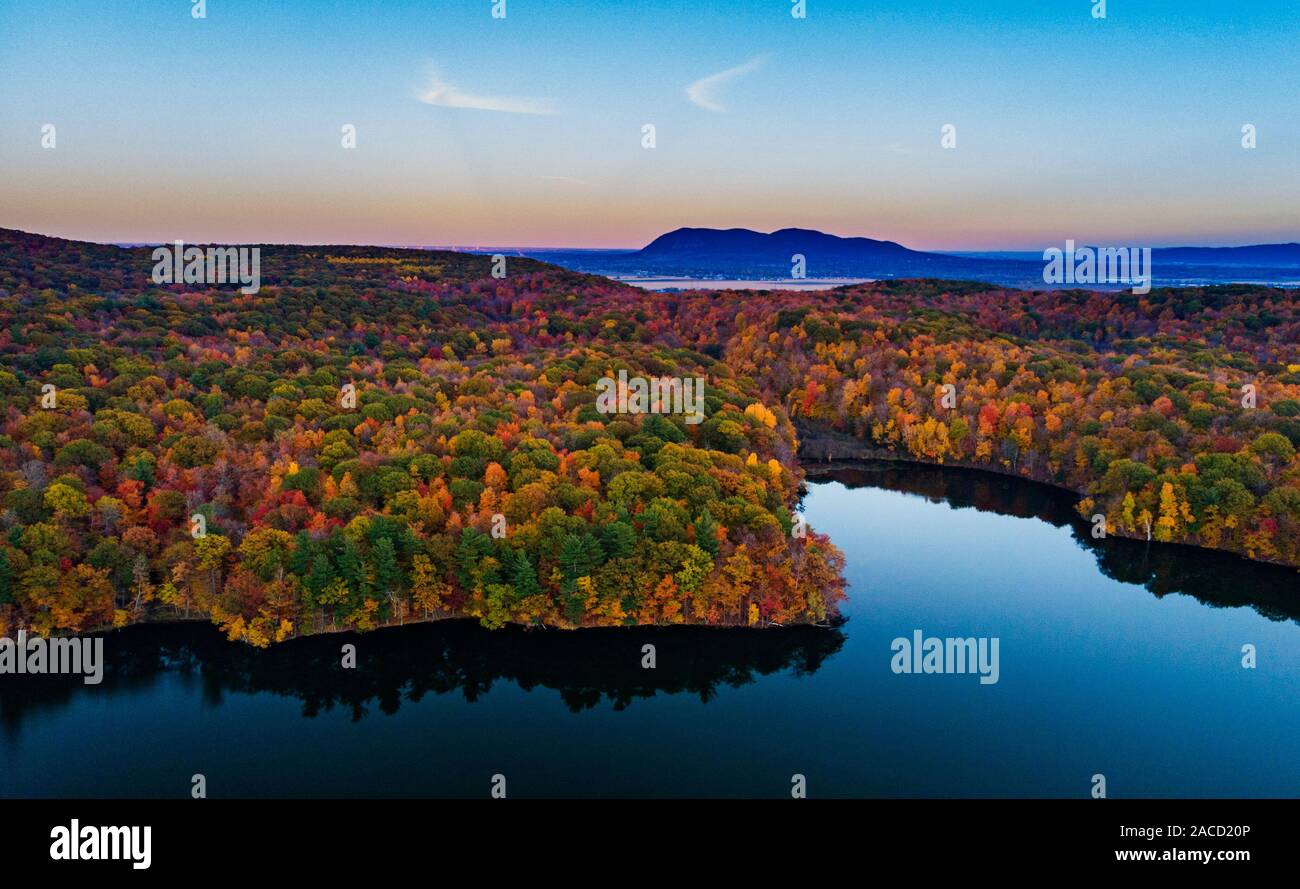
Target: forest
pixel 383 436
pixel 1175 415
pixel 377 437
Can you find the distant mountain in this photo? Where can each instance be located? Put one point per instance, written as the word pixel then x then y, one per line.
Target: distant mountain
pixel 1256 255
pixel 744 245
pixel 743 254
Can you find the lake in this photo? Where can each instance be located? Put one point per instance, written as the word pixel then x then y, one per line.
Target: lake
pixel 1117 657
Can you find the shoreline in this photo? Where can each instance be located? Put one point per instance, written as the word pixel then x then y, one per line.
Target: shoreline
pixel 181 620
pixel 864 453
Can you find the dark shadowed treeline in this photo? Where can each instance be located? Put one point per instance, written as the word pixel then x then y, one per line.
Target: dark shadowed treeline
pixel 587 669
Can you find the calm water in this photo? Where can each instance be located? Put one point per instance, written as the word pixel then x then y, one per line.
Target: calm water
pixel 669 283
pixel 1122 659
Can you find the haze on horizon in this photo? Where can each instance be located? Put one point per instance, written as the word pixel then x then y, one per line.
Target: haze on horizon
pixel 527 131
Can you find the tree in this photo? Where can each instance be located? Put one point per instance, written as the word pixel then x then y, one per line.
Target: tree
pixel 387 576
pixel 66 501
pixel 706 533
pixel 427 591
pixel 210 553
pixel 524 576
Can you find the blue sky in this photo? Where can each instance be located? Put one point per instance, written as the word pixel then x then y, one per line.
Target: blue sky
pixel 1122 130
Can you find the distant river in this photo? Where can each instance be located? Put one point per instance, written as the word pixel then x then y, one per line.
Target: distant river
pixel 1118 658
pixel 738 284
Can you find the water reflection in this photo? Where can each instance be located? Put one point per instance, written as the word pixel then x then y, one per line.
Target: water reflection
pixel 592 667
pixel 1217 579
pixel 406 663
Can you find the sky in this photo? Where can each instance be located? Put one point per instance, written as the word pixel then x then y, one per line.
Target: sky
pixel 527 130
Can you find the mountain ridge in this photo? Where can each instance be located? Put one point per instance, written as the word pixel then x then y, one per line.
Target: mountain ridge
pixel 749 244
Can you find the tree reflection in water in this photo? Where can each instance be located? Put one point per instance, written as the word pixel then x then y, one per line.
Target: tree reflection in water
pixel 405 663
pixel 589 667
pixel 1220 580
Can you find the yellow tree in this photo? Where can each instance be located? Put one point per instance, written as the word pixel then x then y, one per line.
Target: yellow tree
pixel 428 591
pixel 1167 523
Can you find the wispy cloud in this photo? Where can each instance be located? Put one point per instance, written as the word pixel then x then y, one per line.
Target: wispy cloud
pixel 444 95
pixel 704 92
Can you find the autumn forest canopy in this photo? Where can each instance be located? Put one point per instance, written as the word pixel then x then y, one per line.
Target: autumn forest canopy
pixel 469 473
pixel 181 450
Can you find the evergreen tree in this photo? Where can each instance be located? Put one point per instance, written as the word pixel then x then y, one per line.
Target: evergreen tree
pixel 524 576
pixel 706 533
